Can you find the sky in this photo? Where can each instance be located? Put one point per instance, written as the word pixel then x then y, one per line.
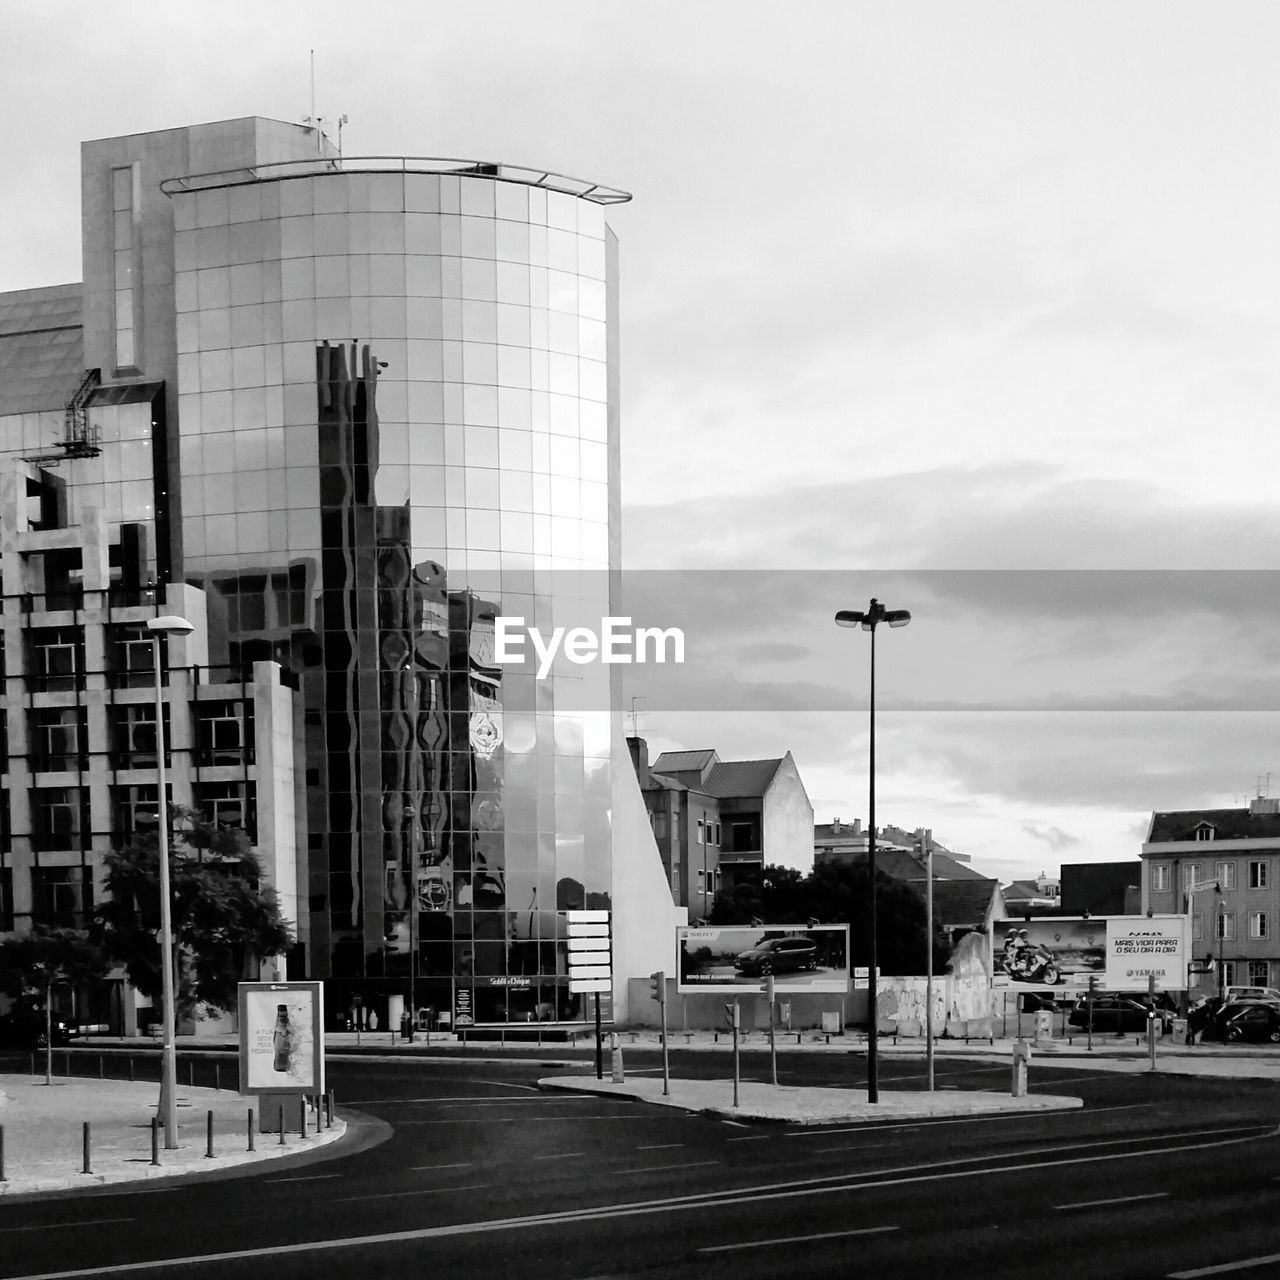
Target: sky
pixel 970 307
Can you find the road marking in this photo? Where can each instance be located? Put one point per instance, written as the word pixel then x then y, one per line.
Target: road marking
pixel 755 1137
pixel 1094 1204
pixel 846 1183
pixel 661 1146
pixel 427 1168
pixel 816 1131
pixel 527 1119
pixel 662 1168
pixel 1224 1268
pixel 57 1226
pixel 825 1235
pixel 564 1155
pixel 738 1124
pixel 467 1097
pixel 391 1195
pixel 309 1177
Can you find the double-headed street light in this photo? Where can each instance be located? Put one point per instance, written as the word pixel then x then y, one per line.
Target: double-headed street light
pixel 166 625
pixel 868 620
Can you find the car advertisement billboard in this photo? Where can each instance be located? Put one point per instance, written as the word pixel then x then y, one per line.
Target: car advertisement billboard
pixel 737 958
pixel 1121 952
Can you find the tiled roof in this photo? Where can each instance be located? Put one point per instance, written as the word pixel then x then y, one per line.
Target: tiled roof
pixel 41 348
pixel 1227 824
pixel 682 761
pixel 906 866
pixel 740 778
pixel 962 902
pixel 1023 889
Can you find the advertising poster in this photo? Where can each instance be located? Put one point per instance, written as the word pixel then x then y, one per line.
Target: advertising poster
pixel 281 1044
pixel 737 958
pixel 1048 951
pixel 1143 947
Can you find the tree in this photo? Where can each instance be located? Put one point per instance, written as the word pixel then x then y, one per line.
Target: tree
pixel 776 896
pixel 222 912
pixel 46 958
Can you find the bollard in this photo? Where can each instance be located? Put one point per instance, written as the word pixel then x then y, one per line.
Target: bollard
pixel 155 1140
pixel 208 1145
pixel 217 1075
pixel 329 1110
pixel 302 1116
pixel 87 1167
pixel 282 1124
pixel 2 1177
pixel 249 1129
pixel 131 1069
pixel 1021 1057
pixel 618 1073
pixel 101 1068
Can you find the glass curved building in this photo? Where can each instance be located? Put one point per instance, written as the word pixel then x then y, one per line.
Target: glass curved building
pixel 397 389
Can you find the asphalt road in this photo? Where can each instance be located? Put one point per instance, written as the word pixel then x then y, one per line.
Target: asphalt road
pixel 468 1170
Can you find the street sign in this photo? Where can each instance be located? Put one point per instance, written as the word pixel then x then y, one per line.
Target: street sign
pixel 590 951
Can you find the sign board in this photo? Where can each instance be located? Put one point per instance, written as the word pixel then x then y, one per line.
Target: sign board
pixel 281 1037
pixel 590 951
pixel 1064 952
pixel 737 958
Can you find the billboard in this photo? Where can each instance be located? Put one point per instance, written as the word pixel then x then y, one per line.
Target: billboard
pixel 1121 952
pixel 281 1037
pixel 737 958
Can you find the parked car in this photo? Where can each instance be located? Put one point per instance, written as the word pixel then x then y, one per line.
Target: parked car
pixel 1120 1013
pixel 1036 1001
pixel 26 1030
pixel 1232 995
pixel 1247 1020
pixel 778 955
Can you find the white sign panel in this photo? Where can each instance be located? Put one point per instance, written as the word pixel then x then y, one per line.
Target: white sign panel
pixel 589 951
pixel 281 1041
pixel 1143 947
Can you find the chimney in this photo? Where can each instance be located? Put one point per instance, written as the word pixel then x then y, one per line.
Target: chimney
pixel 835 826
pixel 640 759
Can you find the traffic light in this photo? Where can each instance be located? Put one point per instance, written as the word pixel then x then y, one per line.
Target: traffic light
pixel 731 1015
pixel 658 986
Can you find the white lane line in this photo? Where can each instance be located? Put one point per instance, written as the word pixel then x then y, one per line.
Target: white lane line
pixel 844 1184
pixel 825 1235
pixel 661 1146
pixel 1094 1204
pixel 755 1137
pixel 662 1168
pixel 427 1168
pixel 738 1124
pixel 817 1131
pixel 1225 1268
pixel 58 1226
pixel 308 1177
pixel 563 1155
pixel 423 1191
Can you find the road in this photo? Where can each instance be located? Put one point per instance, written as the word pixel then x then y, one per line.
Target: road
pixel 468 1170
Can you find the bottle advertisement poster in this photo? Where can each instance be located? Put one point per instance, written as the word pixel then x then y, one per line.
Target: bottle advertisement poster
pixel 281 1042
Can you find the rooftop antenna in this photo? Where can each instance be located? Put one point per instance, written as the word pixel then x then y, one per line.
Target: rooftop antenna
pixel 635 720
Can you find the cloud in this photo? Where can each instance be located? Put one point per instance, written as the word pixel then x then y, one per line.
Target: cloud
pixel 1054 837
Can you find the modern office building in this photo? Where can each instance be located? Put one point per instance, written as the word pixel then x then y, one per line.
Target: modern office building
pixel 363 408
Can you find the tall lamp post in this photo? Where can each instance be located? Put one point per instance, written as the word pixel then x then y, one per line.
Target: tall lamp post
pixel 166 625
pixel 868 620
pixel 1188 898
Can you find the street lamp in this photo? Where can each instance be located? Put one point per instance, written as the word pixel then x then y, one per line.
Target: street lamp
pixel 868 620
pixel 1188 898
pixel 166 625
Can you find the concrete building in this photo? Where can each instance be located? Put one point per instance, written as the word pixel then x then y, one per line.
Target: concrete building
pixel 366 407
pixel 1223 866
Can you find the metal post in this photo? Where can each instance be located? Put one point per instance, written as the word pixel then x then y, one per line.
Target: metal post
pixel 2 1174
pixel 599 1045
pixel 302 1116
pixel 329 1110
pixel 131 1068
pixel 155 1139
pixel 282 1124
pixel 1088 1010
pixel 217 1075
pixel 666 1064
pixel 769 992
pixel 736 1073
pixel 208 1145
pixel 928 961
pixel 249 1129
pixel 873 1014
pixel 87 1166
pixel 1151 1018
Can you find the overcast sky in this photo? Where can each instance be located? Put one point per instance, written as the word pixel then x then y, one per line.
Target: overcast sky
pixel 906 288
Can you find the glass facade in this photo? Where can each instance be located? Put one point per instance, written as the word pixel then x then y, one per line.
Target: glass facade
pixel 398 420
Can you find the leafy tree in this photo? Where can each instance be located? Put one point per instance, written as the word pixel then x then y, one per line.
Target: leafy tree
pixel 776 896
pixel 43 959
pixel 222 912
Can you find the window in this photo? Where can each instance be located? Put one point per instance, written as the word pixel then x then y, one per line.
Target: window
pixel 1191 874
pixel 1258 875
pixel 716 839
pixel 134 735
pixel 224 732
pixel 1226 973
pixel 1205 832
pixel 135 807
pixel 1226 925
pixel 1197 927
pixel 57 735
pixel 131 655
pixel 61 896
pixel 56 657
pixel 6 900
pixel 701 832
pixel 1160 877
pixel 1225 872
pixel 125 212
pixel 1258 924
pixel 57 818
pixel 227 804
pixel 1259 973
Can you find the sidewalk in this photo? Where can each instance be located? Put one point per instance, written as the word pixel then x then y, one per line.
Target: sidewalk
pixel 43 1133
